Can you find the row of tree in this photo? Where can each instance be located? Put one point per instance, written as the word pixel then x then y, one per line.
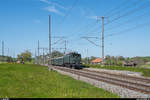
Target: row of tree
pixel 26 56
pixel 119 60
pixel 6 59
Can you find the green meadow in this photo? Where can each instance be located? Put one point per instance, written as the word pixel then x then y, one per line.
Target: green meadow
pixel 35 81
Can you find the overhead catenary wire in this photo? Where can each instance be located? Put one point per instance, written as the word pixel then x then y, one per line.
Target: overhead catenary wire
pixel 129 29
pixel 57 41
pixel 88 29
pixel 111 12
pixel 69 10
pixel 92 42
pixel 85 27
pixel 130 12
pixel 125 14
pixel 111 16
pixel 88 25
pixel 117 11
pixel 127 21
pixel 67 14
pixel 115 8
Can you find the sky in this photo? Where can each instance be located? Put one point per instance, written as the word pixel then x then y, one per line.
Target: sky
pixel 126 26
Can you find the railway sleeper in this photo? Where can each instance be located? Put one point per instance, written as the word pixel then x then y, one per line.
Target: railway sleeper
pixel 112 82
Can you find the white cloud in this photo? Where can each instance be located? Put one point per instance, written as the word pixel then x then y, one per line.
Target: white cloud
pixel 54 10
pixel 54 6
pixel 45 1
pixel 54 3
pixel 60 6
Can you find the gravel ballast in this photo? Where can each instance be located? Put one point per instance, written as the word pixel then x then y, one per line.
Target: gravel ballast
pixel 122 92
pixel 138 74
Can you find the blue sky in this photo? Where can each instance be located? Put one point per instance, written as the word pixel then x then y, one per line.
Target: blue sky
pixel 24 22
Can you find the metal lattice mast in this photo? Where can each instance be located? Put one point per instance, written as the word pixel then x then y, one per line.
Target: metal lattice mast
pixel 38 52
pixel 50 46
pixel 103 59
pixel 2 48
pixel 65 47
pixel 103 42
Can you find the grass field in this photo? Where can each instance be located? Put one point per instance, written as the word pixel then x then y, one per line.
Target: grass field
pixel 145 72
pixel 34 81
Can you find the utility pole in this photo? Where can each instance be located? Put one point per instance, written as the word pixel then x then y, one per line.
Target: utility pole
pixel 35 59
pixel 8 52
pixel 50 46
pixel 87 57
pixel 43 57
pixel 38 52
pixel 65 47
pixel 103 59
pixel 2 48
pixel 103 42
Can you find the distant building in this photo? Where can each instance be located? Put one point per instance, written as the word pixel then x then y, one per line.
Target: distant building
pixel 148 63
pixel 96 61
pixel 131 63
pixel 18 62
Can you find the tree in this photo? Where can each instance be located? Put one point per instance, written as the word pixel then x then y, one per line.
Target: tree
pixel 121 58
pixel 25 56
pixel 57 54
pixel 85 60
pixel 9 59
pixel 92 58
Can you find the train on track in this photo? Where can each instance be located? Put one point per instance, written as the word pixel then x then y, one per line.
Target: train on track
pixel 71 60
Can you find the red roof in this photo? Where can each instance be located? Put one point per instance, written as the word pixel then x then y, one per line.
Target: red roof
pixel 98 60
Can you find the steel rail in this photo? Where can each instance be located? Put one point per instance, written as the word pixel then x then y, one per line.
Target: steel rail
pixel 125 84
pixel 122 76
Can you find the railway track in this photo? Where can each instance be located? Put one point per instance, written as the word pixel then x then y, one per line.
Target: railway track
pixel 143 88
pixel 122 76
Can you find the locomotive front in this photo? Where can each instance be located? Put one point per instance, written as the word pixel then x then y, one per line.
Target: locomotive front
pixel 75 60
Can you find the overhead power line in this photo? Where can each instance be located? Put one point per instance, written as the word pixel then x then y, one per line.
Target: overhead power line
pixel 69 10
pixel 116 8
pixel 117 11
pixel 91 41
pixel 90 37
pixel 125 14
pixel 130 12
pixel 129 29
pixel 73 5
pixel 87 31
pixel 57 41
pixel 82 29
pixel 128 21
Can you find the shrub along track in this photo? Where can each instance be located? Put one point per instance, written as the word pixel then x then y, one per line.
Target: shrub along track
pixel 143 88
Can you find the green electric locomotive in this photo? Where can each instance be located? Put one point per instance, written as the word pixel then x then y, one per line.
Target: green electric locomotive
pixel 72 60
